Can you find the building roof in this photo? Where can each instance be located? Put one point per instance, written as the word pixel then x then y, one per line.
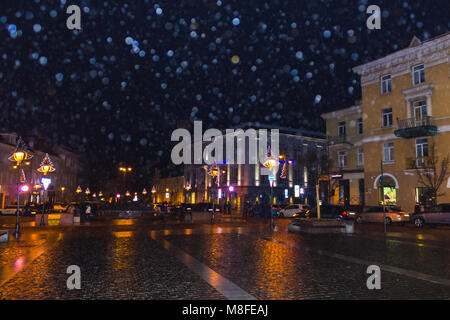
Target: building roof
pixel 342 112
pixel 415 49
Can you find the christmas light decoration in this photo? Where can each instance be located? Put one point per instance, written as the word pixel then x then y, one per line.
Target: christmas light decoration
pixel 46 165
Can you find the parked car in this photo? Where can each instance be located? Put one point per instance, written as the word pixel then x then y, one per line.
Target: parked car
pixel 351 211
pixel 11 210
pixel 32 208
pixel 217 208
pixel 375 214
pixel 329 212
pixel 432 215
pixel 294 209
pixel 60 207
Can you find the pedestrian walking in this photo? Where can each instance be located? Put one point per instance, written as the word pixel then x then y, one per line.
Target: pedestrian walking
pixel 88 211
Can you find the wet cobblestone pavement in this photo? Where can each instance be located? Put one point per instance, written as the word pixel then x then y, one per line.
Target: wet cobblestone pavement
pixel 129 259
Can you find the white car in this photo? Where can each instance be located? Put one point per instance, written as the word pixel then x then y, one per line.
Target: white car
pixel 292 209
pixel 10 210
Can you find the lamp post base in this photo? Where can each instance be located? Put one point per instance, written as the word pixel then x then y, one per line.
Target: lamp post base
pixel 17 231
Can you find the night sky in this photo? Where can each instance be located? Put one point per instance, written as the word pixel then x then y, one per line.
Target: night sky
pixel 115 90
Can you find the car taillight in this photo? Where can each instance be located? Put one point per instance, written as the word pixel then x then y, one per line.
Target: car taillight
pixel 344 213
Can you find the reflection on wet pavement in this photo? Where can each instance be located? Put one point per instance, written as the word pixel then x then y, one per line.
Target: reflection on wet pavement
pixel 135 259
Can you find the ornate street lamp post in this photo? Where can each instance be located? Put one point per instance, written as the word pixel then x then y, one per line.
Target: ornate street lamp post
pixel 45 168
pixel 271 163
pixel 214 173
pixel 153 194
pixel 187 187
pixel 19 156
pixel 79 191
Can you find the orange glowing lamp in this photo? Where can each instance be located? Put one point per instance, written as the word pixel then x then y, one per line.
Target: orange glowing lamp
pixel 46 165
pixel 270 161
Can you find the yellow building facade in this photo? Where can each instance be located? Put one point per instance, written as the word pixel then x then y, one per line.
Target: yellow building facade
pixel 405 116
pixel 345 174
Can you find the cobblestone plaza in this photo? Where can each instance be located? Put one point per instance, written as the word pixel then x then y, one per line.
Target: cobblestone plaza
pixel 144 259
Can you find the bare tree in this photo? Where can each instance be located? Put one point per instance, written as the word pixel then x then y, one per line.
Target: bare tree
pixel 318 166
pixel 432 172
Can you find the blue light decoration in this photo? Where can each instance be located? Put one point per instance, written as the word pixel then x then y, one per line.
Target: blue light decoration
pixel 45 182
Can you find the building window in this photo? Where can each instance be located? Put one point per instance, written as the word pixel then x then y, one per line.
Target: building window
pixel 360 157
pixel 420 111
pixel 233 174
pixel 418 74
pixel 386 84
pixel 341 129
pixel 388 152
pixel 359 126
pixel 421 151
pixel 387 117
pixel 342 159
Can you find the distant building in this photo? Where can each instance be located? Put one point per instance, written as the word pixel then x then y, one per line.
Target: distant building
pixel 170 190
pixel 346 154
pixel 64 179
pixel 238 183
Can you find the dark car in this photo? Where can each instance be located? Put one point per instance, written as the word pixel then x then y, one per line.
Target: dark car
pixel 327 212
pixel 432 215
pixel 351 211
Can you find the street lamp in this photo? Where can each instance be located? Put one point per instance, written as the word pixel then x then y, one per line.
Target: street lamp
pixel 124 170
pixel 214 172
pixel 270 162
pixel 187 187
pixel 45 168
pixel 19 155
pixel 153 194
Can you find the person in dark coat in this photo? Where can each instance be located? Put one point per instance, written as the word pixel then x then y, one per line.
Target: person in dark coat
pixel 417 208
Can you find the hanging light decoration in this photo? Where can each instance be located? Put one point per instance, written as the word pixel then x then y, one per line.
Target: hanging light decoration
pixel 144 192
pixel 20 154
pixel 214 170
pixel 79 190
pixel 270 161
pixel 283 172
pixel 46 165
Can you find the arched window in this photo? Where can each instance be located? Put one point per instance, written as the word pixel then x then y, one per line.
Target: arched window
pixel 387 189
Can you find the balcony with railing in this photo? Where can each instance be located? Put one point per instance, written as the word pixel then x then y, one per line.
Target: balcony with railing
pixel 419 163
pixel 416 127
pixel 338 140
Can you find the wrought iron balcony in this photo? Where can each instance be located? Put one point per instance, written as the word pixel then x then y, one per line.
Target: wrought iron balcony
pixel 338 140
pixel 419 163
pixel 412 127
